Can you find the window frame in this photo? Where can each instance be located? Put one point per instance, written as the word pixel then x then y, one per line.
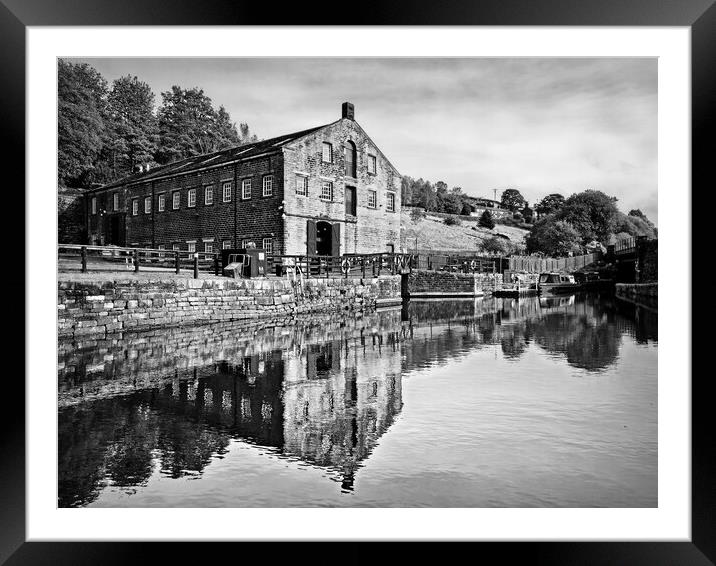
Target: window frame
pixel 191 246
pixel 189 194
pixel 372 161
pixel 148 205
pixel 330 189
pixel 208 190
pixel 176 200
pixel 390 198
pixel 209 246
pixel 224 186
pixel 115 202
pixel 224 245
pixel 304 182
pixel 374 194
pixel 263 245
pixel 243 188
pixel 135 207
pixel 268 178
pixel 93 205
pixel 327 146
pixel 161 202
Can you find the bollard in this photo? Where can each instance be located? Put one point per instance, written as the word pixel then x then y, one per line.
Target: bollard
pixel 196 265
pixel 176 262
pixel 136 261
pixel 84 259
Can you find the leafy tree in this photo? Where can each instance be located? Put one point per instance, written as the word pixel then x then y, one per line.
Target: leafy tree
pixel 591 213
pixel 132 127
pixel 486 220
pixel 550 204
pixel 497 245
pixel 406 190
pixel 553 237
pixel 81 130
pixel 417 214
pixel 633 226
pixel 512 199
pixel 189 125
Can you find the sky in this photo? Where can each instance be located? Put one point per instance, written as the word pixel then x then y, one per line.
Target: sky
pixel 539 125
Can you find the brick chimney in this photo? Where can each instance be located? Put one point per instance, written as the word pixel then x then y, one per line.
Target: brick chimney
pixel 348 111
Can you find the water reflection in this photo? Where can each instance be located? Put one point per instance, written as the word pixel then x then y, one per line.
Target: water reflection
pixel 322 391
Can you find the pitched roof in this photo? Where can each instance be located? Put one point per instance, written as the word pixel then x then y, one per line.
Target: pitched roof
pixel 231 154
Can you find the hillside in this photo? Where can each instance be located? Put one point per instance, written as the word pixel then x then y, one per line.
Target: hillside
pixel 433 233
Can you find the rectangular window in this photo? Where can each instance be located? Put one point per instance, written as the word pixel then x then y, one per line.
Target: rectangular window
pixel 135 207
pixel 371 164
pixel 267 245
pixel 245 243
pixel 147 205
pixel 115 202
pixel 208 246
pixel 161 247
pixel 176 247
pixel 350 200
pixel 191 246
pixel 191 198
pixel 372 199
pixel 94 205
pixel 327 191
pixel 301 185
pixel 268 186
pixel 161 204
pixel 390 206
pixel 227 191
pixel 246 189
pixel 176 199
pixel 226 244
pixel 209 195
pixel 327 152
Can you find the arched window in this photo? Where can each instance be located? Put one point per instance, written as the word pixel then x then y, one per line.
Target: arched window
pixel 350 150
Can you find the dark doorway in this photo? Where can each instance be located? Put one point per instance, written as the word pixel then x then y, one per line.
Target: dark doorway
pixel 324 234
pixel 351 200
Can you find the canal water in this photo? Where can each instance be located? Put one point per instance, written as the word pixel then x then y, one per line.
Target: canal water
pixel 536 402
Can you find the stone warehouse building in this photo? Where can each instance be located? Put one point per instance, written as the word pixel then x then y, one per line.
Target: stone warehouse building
pixel 327 190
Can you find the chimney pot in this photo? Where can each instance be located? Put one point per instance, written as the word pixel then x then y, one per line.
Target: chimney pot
pixel 348 111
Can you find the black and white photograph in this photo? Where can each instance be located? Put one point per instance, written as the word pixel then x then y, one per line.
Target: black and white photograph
pixel 388 282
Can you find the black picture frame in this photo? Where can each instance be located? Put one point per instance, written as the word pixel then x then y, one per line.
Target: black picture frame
pixel 17 15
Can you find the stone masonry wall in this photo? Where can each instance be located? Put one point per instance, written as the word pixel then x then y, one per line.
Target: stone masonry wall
pixel 89 308
pixel 437 283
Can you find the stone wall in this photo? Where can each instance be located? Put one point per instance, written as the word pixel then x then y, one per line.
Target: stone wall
pixel 444 283
pixel 104 307
pixel 647 293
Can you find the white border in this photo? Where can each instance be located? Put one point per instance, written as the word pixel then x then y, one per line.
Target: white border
pixel 670 521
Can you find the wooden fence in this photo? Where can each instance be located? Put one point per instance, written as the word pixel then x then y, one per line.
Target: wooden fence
pixel 532 264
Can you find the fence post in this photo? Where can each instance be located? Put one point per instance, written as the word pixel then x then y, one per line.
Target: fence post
pixel 362 266
pixel 136 261
pixel 196 265
pixel 84 259
pixel 177 262
pixel 216 264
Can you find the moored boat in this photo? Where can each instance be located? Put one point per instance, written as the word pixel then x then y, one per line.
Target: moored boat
pixel 557 283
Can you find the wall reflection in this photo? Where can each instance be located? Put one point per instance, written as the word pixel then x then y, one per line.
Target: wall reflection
pixel 324 390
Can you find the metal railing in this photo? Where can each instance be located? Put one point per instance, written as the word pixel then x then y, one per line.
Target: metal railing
pixel 347 265
pixel 112 258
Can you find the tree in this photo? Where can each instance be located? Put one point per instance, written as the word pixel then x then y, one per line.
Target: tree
pixel 189 125
pixel 486 220
pixel 591 213
pixel 512 199
pixel 633 226
pixel 81 113
pixel 417 214
pixel 553 237
pixel 496 245
pixel 132 127
pixel 550 204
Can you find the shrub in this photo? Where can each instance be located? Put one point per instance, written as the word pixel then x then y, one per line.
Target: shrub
pixel 452 221
pixel 417 214
pixel 497 245
pixel 486 220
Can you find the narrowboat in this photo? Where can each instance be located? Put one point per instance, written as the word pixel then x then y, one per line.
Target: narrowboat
pixel 554 282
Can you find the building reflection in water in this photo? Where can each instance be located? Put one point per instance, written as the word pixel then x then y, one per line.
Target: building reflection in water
pixel 323 391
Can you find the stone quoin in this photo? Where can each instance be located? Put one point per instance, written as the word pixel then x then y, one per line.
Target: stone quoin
pixel 327 190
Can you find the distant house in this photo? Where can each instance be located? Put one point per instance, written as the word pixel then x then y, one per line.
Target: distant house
pixel 327 190
pixel 480 205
